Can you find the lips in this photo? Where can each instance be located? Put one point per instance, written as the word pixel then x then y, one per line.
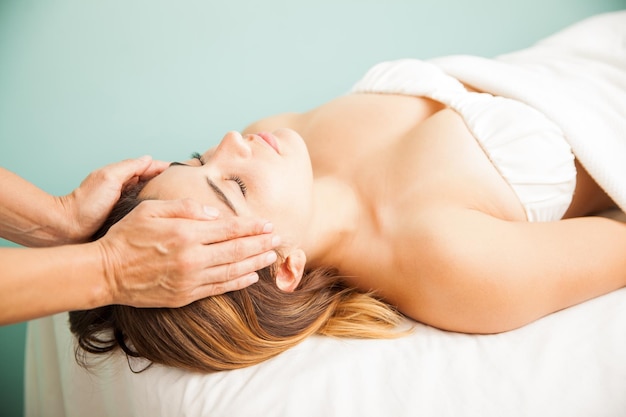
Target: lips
pixel 270 139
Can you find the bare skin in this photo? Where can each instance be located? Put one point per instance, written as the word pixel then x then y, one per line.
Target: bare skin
pixel 401 199
pixel 422 216
pixel 163 254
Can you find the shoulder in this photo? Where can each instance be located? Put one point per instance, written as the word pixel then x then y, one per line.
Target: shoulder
pixel 442 272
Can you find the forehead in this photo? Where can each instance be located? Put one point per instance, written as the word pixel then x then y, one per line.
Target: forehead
pixel 180 182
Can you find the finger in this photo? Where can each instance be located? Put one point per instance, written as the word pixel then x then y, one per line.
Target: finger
pixel 227 272
pixel 233 227
pixel 236 284
pixel 237 250
pixel 185 209
pixel 120 173
pixel 153 169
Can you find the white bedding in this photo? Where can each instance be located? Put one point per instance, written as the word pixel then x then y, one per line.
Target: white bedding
pixel 571 363
pixel 577 78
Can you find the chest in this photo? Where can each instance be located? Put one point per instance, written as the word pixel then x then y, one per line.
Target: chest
pixel 403 153
pixel 346 134
pixel 405 165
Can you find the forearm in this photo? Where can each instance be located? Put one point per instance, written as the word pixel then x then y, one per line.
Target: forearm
pixel 28 215
pixel 40 282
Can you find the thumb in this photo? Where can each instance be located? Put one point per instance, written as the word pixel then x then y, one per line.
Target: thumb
pixel 119 173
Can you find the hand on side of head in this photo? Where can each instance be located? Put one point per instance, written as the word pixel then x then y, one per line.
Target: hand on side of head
pixel 171 253
pixel 87 206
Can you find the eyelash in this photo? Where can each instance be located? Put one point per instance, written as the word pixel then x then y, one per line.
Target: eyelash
pixel 196 155
pixel 239 181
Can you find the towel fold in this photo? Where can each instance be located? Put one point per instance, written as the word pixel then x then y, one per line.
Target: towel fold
pixel 577 78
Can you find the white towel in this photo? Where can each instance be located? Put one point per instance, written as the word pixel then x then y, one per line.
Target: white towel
pixel 577 78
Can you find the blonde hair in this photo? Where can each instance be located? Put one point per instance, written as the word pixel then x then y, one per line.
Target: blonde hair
pixel 236 329
pixel 240 328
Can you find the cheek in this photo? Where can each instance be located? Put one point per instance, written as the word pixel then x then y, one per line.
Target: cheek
pixel 284 193
pixel 287 202
pixel 297 205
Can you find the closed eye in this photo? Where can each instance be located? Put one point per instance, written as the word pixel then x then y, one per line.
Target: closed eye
pixel 240 183
pixel 196 155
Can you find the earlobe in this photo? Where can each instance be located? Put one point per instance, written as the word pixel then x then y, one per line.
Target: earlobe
pixel 290 272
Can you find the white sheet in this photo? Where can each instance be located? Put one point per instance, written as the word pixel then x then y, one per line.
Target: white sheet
pixel 571 363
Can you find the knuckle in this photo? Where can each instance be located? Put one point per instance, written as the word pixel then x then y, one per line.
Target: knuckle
pixel 232 228
pixel 238 250
pixel 182 237
pixel 103 175
pixel 232 271
pixel 93 177
pixel 185 263
pixel 187 204
pixel 267 242
pixel 191 208
pixel 219 288
pixel 254 225
pixel 258 227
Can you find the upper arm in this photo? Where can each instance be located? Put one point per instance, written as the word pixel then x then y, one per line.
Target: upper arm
pixel 487 275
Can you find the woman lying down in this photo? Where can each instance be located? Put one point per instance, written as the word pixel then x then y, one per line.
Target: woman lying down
pixel 417 194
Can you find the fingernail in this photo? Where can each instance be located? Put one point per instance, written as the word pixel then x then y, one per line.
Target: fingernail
pixel 145 158
pixel 211 212
pixel 271 257
pixel 268 228
pixel 275 241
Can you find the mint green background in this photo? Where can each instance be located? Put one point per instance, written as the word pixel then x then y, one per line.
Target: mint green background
pixel 86 83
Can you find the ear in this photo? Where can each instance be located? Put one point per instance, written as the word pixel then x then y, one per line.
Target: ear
pixel 290 272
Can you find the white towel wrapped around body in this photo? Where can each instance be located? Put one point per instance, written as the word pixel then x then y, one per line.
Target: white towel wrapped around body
pixel 577 78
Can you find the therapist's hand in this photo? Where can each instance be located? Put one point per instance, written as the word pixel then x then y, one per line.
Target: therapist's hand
pixel 171 253
pixel 86 208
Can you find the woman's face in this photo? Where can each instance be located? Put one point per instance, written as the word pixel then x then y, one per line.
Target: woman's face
pixel 266 175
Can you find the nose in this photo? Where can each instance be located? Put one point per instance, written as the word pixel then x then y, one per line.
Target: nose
pixel 233 145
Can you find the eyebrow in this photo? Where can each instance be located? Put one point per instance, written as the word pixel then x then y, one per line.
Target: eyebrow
pixel 217 190
pixel 221 195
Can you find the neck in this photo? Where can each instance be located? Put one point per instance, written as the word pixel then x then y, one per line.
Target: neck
pixel 337 214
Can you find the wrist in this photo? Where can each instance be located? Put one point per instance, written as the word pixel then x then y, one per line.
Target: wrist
pixel 100 291
pixel 46 226
pixel 44 281
pixel 30 216
pixel 108 289
pixel 67 230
